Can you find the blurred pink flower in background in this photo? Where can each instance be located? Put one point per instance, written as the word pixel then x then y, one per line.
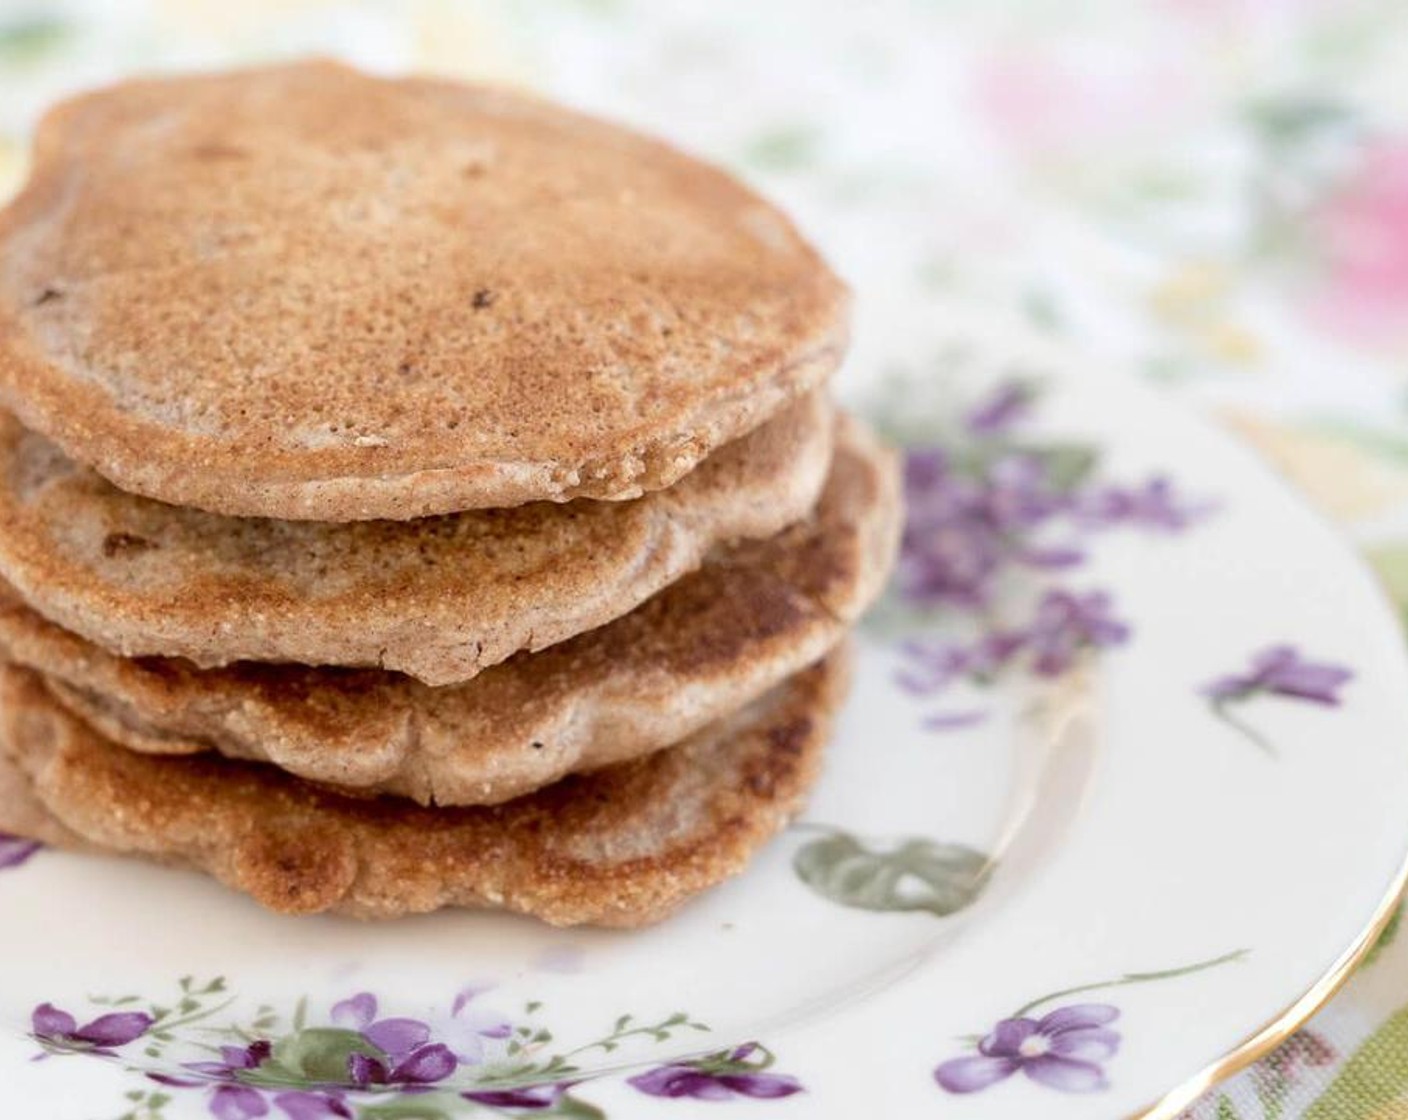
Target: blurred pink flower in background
pixel 1064 101
pixel 1361 232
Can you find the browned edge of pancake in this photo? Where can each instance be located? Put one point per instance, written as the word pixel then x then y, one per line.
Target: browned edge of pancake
pixel 754 614
pixel 440 599
pixel 622 847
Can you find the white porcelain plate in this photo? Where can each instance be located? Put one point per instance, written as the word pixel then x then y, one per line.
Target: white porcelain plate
pixel 1121 781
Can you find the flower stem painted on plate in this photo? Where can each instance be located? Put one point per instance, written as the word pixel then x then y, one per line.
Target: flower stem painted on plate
pixel 1065 1049
pixel 1223 710
pixel 1132 978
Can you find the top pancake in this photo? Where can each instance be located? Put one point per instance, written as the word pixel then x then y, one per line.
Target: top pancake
pixel 305 293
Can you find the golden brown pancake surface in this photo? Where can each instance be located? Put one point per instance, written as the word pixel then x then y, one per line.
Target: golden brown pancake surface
pixel 624 846
pixel 307 293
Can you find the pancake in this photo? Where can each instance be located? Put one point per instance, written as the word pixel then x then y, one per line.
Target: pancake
pixel 624 846
pixel 439 598
pixel 702 648
pixel 303 292
pixel 25 814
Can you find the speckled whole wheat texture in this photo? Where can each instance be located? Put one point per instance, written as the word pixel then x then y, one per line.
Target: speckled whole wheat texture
pixel 703 647
pixel 620 847
pixel 307 293
pixel 23 814
pixel 439 598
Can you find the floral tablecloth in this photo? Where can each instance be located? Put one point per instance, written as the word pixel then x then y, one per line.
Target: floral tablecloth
pixel 1208 194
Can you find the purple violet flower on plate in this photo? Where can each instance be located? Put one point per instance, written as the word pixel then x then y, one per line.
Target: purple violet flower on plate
pixel 15 850
pixel 237 1102
pixel 1276 671
pixel 1283 671
pixel 719 1077
pixel 1062 1050
pixel 528 1097
pixel 50 1024
pixel 1067 623
pixel 413 1059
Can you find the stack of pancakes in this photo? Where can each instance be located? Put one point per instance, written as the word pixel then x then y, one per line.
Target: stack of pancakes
pixel 416 495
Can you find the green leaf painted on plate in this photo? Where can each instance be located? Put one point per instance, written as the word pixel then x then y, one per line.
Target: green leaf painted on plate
pixel 574 1108
pixel 918 874
pixel 408 1110
pixel 315 1055
pixel 1374 1077
pixel 1067 465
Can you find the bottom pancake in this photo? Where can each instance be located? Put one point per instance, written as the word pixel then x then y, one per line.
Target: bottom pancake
pixel 621 847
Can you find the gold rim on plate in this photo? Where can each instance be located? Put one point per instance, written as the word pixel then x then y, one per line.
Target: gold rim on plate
pixel 1281 1027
